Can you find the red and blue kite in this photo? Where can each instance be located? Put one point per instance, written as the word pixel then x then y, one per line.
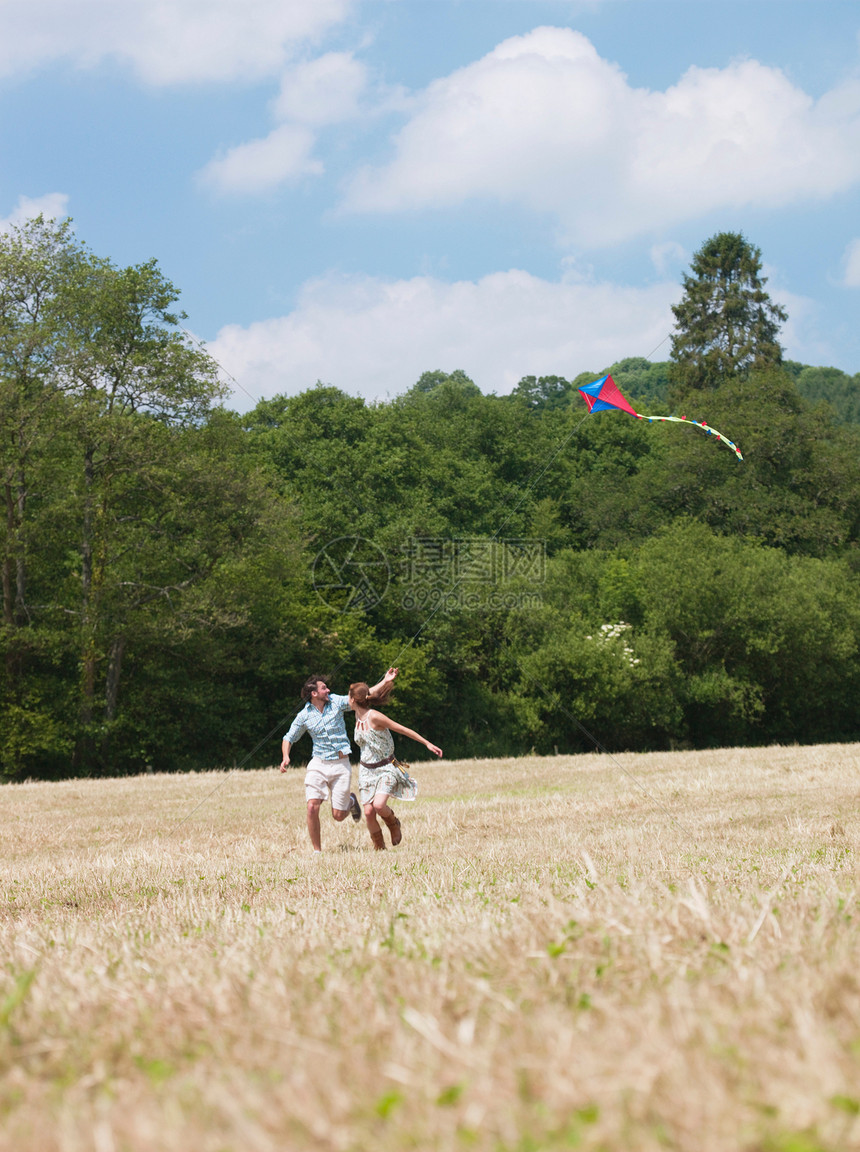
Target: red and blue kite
pixel 603 393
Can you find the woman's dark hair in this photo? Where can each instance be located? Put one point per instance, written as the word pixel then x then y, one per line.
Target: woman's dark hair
pixel 363 696
pixel 310 685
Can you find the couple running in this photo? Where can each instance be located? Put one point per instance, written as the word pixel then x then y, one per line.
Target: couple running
pixel 380 776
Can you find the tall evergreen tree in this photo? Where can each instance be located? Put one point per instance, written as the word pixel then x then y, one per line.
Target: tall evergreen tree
pixel 726 324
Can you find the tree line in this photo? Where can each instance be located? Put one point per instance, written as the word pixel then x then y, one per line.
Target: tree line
pixel 173 570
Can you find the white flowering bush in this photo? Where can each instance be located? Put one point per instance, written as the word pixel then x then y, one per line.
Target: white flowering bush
pixel 617 632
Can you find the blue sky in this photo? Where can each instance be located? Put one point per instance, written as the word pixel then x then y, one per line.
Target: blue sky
pixel 357 192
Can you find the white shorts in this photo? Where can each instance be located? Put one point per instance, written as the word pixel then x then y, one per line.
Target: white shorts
pixel 324 776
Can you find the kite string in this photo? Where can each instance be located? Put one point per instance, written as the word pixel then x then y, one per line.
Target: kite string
pixel 660 345
pixel 531 484
pixel 518 660
pixel 493 538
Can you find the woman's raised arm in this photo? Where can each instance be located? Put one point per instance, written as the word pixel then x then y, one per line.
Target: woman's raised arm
pixel 379 720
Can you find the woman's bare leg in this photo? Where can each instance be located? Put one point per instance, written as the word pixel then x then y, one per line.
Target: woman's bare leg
pixel 380 803
pixel 380 806
pixel 373 827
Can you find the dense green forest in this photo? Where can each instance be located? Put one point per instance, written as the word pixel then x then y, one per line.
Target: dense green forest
pixel 172 570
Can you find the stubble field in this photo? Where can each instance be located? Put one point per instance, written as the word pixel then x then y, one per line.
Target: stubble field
pixel 552 959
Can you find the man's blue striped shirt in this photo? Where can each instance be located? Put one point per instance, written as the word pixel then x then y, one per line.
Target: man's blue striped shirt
pixel 327 729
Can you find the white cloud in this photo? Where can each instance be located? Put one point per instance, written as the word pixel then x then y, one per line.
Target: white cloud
pixel 375 337
pixel 164 41
pixel 258 165
pixel 314 93
pixel 667 257
pixel 801 336
pixel 53 206
pixel 321 91
pixel 852 265
pixel 543 121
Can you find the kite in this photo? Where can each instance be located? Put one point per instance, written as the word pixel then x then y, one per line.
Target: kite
pixel 603 393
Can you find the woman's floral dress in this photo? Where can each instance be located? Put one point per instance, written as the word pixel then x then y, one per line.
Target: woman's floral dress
pixel 391 778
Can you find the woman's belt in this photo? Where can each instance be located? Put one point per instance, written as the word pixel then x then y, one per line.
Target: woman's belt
pixel 379 763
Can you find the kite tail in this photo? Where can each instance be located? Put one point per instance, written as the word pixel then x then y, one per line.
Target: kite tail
pixel 706 428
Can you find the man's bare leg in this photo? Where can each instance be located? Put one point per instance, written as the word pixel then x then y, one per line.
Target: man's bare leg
pixel 314 824
pixel 314 821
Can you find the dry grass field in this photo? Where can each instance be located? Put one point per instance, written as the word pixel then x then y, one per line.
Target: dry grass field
pixel 552 959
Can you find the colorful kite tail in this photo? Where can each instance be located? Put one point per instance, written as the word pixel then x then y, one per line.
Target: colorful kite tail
pixel 604 393
pixel 706 428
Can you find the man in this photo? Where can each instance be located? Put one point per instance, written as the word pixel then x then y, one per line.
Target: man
pixel 329 770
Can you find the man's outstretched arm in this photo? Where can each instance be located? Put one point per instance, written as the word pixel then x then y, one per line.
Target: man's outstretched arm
pixel 296 731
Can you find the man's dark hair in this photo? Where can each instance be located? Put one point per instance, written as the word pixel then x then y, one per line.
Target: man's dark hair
pixel 310 685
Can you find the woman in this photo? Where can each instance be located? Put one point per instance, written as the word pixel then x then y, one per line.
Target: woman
pixel 380 776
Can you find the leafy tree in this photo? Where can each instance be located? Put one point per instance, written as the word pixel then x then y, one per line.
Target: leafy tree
pixel 157 553
pixel 133 377
pixel 645 384
pixel 543 393
pixel 798 487
pixel 586 656
pixel 315 442
pixel 767 643
pixel 457 380
pixel 230 622
pixel 829 385
pixel 690 638
pixel 36 260
pixel 126 495
pixel 726 324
